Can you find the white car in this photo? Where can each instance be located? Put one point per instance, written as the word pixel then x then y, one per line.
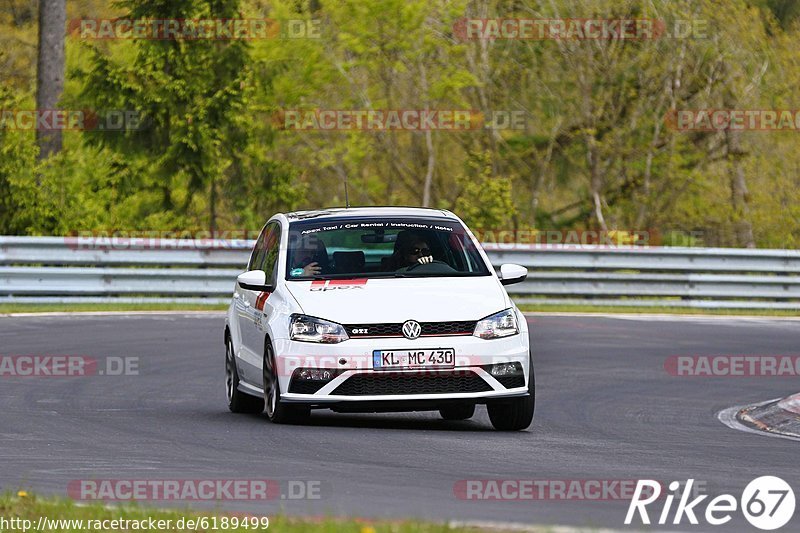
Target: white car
pixel 376 309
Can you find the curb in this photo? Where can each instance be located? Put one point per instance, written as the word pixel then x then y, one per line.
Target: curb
pixel 777 417
pixel 791 404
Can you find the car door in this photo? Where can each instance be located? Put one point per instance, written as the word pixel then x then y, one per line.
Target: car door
pixel 242 317
pixel 255 309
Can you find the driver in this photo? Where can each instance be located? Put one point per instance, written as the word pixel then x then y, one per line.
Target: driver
pixel 311 257
pixel 410 249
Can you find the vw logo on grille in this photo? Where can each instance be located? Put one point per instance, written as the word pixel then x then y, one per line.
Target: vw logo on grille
pixel 411 329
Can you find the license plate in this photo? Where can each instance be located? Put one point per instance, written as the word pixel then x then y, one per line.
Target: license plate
pixel 427 358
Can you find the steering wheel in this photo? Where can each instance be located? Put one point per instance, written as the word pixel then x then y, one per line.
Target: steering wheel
pixel 435 262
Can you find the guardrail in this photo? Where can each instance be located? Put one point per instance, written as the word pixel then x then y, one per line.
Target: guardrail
pixel 66 269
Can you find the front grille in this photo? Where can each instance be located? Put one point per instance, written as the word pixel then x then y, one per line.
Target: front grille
pixel 448 328
pixel 429 329
pixel 374 330
pixel 431 382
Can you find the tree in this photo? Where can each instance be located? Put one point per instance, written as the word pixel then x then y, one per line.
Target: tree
pixel 191 96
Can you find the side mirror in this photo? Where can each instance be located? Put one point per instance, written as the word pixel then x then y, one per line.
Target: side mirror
pixel 254 280
pixel 510 273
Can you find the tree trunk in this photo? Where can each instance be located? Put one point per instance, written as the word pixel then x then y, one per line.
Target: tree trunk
pixel 212 206
pixel 50 69
pixel 426 190
pixel 595 180
pixel 426 193
pixel 742 227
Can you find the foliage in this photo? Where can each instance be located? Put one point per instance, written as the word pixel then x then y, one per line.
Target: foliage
pixel 596 150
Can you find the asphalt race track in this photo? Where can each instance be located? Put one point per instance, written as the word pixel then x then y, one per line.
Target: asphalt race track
pixel 606 410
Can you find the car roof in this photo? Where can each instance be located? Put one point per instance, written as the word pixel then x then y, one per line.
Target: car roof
pixel 395 211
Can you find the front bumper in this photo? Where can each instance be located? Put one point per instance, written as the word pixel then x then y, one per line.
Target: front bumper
pixel 353 359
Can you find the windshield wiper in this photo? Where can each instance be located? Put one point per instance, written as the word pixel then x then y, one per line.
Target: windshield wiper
pixel 454 274
pixel 379 275
pixel 350 276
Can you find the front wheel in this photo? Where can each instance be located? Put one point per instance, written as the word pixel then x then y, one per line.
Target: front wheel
pixel 277 412
pixel 514 414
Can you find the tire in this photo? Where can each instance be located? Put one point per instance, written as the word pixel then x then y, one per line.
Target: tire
pixel 515 414
pixel 458 412
pixel 238 401
pixel 278 412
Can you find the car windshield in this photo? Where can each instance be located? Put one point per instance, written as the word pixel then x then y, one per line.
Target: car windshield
pixel 371 248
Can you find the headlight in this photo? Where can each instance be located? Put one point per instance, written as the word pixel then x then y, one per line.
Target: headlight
pixel 502 324
pixel 310 329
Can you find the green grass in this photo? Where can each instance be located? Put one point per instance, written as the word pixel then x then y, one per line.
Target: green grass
pixel 611 309
pixel 549 308
pixel 31 507
pixel 57 308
